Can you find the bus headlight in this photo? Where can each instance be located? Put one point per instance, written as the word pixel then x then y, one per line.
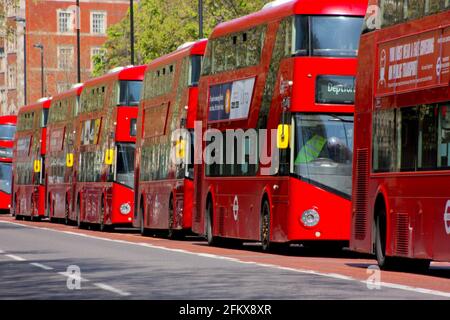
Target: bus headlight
pixel 310 218
pixel 125 208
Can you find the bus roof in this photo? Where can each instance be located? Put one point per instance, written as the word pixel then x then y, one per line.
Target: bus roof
pixel 280 9
pixel 43 103
pixel 194 48
pixel 11 120
pixel 121 73
pixel 74 91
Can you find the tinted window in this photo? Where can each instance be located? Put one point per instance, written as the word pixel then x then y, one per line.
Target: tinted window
pixel 195 68
pixel 125 164
pixel 7 132
pixel 5 177
pixel 335 36
pixel 130 93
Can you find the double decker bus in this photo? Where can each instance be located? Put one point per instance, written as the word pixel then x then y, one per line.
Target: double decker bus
pixel 105 128
pixel 7 132
pixel 401 207
pixel 288 69
pixel 60 153
pixel 164 189
pixel 29 161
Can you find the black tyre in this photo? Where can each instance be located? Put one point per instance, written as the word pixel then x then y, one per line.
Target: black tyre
pixel 66 213
pixel 265 226
pixel 212 241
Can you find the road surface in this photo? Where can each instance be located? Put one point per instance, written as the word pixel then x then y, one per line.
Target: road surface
pixel 40 260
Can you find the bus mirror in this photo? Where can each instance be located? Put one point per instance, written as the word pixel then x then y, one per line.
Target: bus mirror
pixel 109 156
pixel 180 149
pixel 69 160
pixel 283 136
pixel 37 166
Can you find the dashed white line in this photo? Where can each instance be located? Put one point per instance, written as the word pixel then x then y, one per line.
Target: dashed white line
pixel 111 289
pixel 40 265
pixel 213 256
pixel 14 257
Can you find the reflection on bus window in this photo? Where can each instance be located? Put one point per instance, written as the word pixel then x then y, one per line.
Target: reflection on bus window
pixel 7 132
pixel 324 150
pixel 125 164
pixel 5 177
pixel 129 93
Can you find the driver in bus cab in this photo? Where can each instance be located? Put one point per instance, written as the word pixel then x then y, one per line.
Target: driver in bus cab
pixel 318 147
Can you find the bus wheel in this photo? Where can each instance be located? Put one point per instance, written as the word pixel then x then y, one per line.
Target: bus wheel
pixel 173 234
pixel 265 226
pixel 212 241
pixel 79 224
pixel 141 217
pixel 384 262
pixel 102 226
pixel 66 213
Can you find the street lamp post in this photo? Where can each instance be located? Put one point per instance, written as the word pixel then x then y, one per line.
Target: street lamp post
pixel 78 22
pixel 200 19
pixel 19 19
pixel 132 32
pixel 41 47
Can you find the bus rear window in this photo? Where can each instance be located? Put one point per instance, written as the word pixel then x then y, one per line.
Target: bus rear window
pixel 129 93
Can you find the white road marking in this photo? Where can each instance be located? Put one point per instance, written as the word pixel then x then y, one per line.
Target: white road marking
pixel 1 251
pixel 272 266
pixel 42 266
pixel 111 289
pixel 14 257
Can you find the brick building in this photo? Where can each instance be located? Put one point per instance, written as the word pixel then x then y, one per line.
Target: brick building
pixel 51 23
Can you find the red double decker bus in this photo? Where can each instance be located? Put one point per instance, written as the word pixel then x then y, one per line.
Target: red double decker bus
pixel 60 153
pixel 401 207
pixel 7 132
pixel 290 69
pixel 29 161
pixel 105 128
pixel 164 190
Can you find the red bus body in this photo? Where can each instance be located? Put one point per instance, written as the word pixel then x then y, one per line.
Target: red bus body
pixel 104 126
pixel 401 176
pixel 7 132
pixel 60 143
pixel 29 151
pixel 165 202
pixel 237 201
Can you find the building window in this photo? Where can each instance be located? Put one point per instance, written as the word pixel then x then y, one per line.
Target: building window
pixel 63 86
pixel 64 21
pixel 96 52
pixel 12 76
pixel 3 100
pixel 65 58
pixel 11 41
pixel 98 22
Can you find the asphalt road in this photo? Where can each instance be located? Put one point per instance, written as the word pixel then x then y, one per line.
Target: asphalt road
pixel 40 260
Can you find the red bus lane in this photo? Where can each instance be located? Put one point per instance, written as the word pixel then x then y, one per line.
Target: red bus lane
pixel 284 76
pixel 401 167
pixel 352 267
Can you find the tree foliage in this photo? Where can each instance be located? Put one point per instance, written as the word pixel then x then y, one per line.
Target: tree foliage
pixel 161 26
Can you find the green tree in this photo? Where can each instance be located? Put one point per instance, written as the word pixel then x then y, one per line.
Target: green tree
pixel 162 26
